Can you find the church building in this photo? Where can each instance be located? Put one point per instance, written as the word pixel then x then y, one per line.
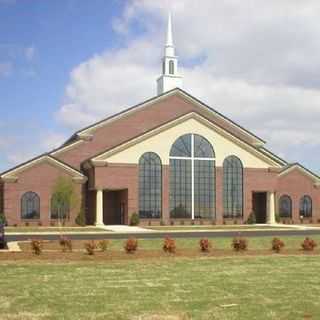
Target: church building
pixel 172 160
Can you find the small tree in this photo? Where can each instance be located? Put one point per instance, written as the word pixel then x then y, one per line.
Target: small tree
pixel 63 199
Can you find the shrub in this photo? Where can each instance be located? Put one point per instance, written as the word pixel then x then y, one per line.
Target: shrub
pixel 172 223
pixel 36 246
pixel 81 218
pixel 308 244
pixel 131 245
pixel 277 217
pixel 239 244
pixel 3 220
pixel 277 244
pixel 39 223
pixel 251 218
pixel 162 223
pixel 103 245
pixel 134 220
pixel 169 245
pixel 90 247
pixel 65 243
pixel 27 224
pixel 52 224
pixel 205 245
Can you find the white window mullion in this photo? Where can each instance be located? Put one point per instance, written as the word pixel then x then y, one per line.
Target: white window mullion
pixel 192 176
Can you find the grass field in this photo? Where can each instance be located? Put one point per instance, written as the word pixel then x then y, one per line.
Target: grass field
pixel 164 287
pixel 216 227
pixel 208 288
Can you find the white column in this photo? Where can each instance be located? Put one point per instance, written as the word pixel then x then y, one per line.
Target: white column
pixel 99 208
pixel 271 208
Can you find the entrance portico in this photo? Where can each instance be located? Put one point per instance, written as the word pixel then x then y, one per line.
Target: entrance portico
pixel 111 207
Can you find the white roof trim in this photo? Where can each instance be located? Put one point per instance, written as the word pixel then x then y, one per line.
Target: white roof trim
pixel 164 96
pixel 67 147
pixel 44 158
pixel 302 169
pixel 192 115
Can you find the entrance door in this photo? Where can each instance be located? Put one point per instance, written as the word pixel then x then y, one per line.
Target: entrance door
pixel 115 207
pixel 259 206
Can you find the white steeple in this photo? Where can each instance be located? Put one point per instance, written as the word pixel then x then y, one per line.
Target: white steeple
pixel 170 78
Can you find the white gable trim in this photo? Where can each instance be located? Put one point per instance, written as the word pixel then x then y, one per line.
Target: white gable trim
pixel 11 175
pixel 178 91
pixel 192 115
pixel 307 173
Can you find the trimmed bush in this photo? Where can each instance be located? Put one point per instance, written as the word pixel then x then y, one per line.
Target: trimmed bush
pixel 277 245
pixel 251 218
pixel 308 244
pixel 103 245
pixel 134 220
pixel 169 245
pixel 239 244
pixel 205 245
pixel 36 246
pixel 81 218
pixel 65 243
pixel 3 220
pixel 131 245
pixel 90 247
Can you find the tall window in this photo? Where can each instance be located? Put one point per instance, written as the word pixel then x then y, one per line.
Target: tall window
pixel 306 206
pixel 192 178
pixel 30 206
pixel 171 67
pixel 150 186
pixel 285 206
pixel 60 208
pixel 232 187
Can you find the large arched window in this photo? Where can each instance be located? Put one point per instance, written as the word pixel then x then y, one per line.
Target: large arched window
pixel 306 206
pixel 285 207
pixel 150 186
pixel 30 206
pixel 192 178
pixel 60 208
pixel 171 67
pixel 232 187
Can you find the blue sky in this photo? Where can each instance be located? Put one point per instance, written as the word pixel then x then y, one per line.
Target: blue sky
pixel 65 64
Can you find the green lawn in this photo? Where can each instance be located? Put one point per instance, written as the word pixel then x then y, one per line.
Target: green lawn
pixel 214 227
pixel 51 229
pixel 255 243
pixel 273 287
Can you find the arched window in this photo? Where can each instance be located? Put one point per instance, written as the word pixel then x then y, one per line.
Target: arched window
pixel 163 67
pixel 30 206
pixel 171 67
pixel 192 178
pixel 306 206
pixel 60 208
pixel 285 207
pixel 150 186
pixel 232 187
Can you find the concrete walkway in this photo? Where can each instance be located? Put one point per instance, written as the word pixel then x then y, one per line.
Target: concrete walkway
pixel 124 229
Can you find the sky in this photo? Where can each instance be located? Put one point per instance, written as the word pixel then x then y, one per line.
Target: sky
pixel 65 64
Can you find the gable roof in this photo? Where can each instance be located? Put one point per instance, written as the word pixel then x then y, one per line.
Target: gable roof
pixel 304 170
pixel 83 133
pixel 266 155
pixel 76 174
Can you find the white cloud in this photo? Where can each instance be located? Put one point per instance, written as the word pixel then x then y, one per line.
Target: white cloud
pixel 257 62
pixel 30 53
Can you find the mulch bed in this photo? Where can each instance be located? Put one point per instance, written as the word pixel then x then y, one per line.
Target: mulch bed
pixel 52 253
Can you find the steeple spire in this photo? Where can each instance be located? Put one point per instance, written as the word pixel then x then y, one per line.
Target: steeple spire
pixel 169 78
pixel 169 32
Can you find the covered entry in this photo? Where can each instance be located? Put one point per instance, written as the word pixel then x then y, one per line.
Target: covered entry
pixel 111 207
pixel 259 206
pixel 115 207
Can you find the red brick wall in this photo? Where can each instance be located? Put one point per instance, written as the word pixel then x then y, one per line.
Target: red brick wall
pixel 296 184
pixel 39 179
pixel 135 124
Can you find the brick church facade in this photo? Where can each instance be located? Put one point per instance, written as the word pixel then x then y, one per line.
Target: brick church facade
pixel 172 160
